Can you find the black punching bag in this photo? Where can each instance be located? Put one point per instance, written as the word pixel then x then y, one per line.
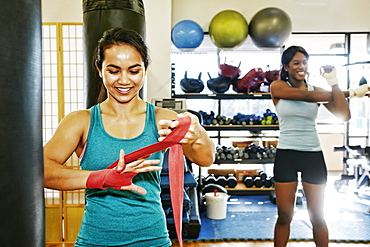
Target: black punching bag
pixel 21 155
pixel 99 16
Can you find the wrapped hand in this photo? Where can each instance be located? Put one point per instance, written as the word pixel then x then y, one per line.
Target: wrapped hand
pixel 120 176
pixel 359 92
pixel 330 74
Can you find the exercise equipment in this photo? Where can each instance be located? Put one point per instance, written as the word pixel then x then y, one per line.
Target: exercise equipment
pixel 219 84
pixel 210 179
pixel 271 75
pixel 221 180
pixel 251 82
pixel 21 163
pixel 231 181
pixel 228 29
pixel 268 118
pixel 362 81
pixel 187 34
pixel 99 16
pixel 248 181
pixel 258 182
pixel 263 175
pixel 270 27
pixel 191 85
pixel 268 183
pixel 229 70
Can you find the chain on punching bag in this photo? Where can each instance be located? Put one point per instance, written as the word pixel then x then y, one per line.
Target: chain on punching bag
pixel 21 159
pixel 99 16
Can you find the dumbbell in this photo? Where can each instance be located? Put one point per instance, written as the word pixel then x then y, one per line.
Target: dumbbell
pixel 248 181
pixel 231 181
pixel 263 175
pixel 258 182
pixel 221 180
pixel 268 183
pixel 210 179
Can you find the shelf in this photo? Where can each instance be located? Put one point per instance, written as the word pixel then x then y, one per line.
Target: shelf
pixel 223 96
pixel 244 161
pixel 253 128
pixel 356 63
pixel 241 187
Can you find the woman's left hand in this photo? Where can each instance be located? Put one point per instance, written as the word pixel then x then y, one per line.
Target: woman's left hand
pixel 191 136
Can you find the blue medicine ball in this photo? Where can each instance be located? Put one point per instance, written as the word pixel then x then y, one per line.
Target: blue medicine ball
pixel 187 34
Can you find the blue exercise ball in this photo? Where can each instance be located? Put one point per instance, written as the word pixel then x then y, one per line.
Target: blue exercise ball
pixel 187 34
pixel 270 27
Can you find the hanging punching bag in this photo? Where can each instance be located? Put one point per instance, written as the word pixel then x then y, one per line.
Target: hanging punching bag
pixel 99 16
pixel 21 156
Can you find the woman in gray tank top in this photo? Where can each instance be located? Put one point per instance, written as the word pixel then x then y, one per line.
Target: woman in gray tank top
pixel 299 149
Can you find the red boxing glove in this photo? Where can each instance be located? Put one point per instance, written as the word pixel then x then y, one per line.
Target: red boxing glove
pixel 103 179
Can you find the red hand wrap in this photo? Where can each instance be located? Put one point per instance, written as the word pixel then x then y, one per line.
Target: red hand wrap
pixel 103 179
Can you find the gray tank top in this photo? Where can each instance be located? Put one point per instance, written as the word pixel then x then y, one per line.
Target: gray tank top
pixel 297 123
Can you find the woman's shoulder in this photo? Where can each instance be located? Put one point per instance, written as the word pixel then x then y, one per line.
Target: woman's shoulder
pixel 278 83
pixel 77 117
pixel 277 86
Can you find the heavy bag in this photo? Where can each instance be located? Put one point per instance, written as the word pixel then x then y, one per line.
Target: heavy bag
pixel 21 155
pixel 99 16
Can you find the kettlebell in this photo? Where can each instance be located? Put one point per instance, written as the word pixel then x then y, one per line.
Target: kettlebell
pixel 219 84
pixel 190 85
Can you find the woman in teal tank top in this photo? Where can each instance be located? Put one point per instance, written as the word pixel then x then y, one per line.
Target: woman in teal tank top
pixel 125 211
pixel 299 148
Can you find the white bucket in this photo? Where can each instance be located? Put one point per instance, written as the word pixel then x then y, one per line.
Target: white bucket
pixel 216 205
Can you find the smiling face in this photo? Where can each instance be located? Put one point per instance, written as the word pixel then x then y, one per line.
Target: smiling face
pixel 122 72
pixel 297 67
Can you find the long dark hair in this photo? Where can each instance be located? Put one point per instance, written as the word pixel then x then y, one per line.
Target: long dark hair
pixel 287 56
pixel 119 36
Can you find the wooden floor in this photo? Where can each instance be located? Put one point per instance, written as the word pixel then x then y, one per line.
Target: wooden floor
pixel 242 244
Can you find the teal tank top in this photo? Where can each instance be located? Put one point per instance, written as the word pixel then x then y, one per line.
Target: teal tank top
pixel 122 218
pixel 297 123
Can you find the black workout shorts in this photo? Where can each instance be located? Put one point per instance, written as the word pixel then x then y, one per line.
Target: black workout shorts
pixel 311 165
